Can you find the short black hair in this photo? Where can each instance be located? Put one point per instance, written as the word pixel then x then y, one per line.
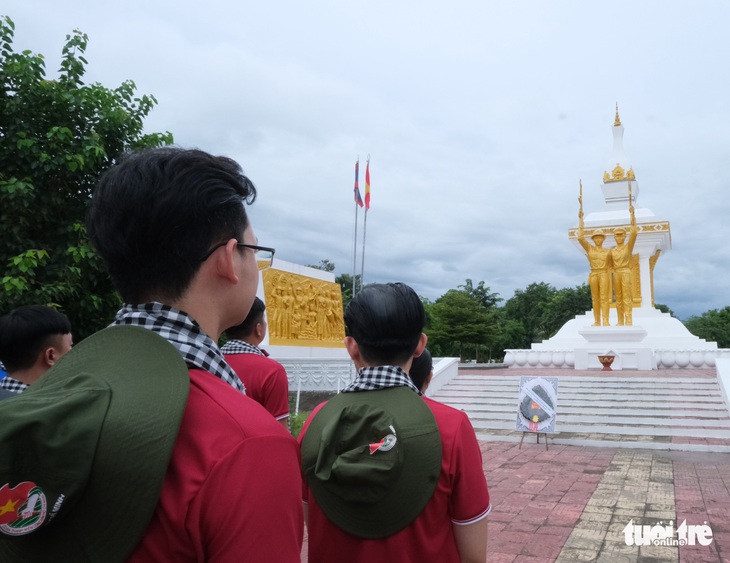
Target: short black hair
pixel 386 321
pixel 255 315
pixel 155 214
pixel 27 330
pixel 420 368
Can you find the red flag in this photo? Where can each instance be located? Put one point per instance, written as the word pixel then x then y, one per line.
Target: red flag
pixel 358 198
pixel 367 185
pixel 11 500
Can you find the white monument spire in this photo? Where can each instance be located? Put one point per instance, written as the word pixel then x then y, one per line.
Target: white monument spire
pixel 618 156
pixel 619 172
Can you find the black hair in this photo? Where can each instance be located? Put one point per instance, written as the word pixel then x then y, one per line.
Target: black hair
pixel 420 368
pixel 255 316
pixel 154 216
pixel 27 330
pixel 386 321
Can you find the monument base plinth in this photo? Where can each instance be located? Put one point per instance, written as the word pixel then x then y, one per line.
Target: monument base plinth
pixel 623 342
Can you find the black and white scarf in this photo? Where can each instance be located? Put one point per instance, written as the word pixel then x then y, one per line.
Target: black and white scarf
pixel 196 348
pixel 235 346
pixel 380 377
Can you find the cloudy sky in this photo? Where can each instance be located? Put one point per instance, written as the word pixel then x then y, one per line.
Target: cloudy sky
pixel 479 117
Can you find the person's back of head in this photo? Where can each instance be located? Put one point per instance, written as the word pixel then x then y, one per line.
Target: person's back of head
pixel 421 369
pixel 26 331
pixel 386 321
pixel 156 215
pixel 247 328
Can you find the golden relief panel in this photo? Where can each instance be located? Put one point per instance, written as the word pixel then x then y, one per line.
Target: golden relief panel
pixel 303 311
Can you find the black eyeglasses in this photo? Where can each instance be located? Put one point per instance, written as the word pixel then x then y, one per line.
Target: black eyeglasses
pixel 264 254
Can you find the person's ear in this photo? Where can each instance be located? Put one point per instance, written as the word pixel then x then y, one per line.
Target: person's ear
pixel 225 261
pixel 426 383
pixel 50 356
pixel 422 341
pixel 353 349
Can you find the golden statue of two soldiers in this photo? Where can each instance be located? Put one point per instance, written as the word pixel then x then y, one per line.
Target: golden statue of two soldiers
pixel 604 263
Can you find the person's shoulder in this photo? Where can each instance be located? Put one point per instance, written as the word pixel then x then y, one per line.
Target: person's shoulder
pixel 449 419
pixel 214 399
pixel 307 422
pixel 441 409
pixel 250 359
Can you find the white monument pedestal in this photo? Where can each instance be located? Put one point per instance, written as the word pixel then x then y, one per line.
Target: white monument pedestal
pixel 623 342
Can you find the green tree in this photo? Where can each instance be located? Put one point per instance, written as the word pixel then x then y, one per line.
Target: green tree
pixel 345 281
pixel 713 326
pixel 459 322
pixel 56 137
pixel 511 335
pixel 481 293
pixel 324 265
pixel 529 307
pixel 564 305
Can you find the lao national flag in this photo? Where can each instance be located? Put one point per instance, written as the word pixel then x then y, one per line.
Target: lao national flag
pixel 358 199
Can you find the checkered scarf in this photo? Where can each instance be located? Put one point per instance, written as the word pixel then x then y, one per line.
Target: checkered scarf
pixel 235 346
pixel 380 377
pixel 11 384
pixel 196 348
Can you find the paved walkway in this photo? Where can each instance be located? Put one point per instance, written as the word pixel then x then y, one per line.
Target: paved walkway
pixel 573 503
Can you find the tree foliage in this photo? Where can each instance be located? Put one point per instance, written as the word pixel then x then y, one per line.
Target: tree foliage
pixel 56 137
pixel 541 310
pixel 345 281
pixel 530 307
pixel 324 265
pixel 713 326
pixel 481 293
pixel 564 305
pixel 460 322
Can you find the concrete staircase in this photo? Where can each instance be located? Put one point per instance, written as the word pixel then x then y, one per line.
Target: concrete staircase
pixel 663 411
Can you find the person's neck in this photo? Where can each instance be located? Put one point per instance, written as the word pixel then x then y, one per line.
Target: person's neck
pixel 28 376
pixel 206 317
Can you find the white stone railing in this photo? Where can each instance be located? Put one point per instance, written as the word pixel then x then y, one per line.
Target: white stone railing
pixel 539 358
pixel 307 374
pixel 668 359
pixel 444 370
pixel 665 359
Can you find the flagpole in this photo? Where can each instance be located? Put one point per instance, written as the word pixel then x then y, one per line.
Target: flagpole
pixel 364 235
pixel 365 221
pixel 354 253
pixel 354 240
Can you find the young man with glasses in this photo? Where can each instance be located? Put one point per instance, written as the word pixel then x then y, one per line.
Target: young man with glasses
pixel 172 229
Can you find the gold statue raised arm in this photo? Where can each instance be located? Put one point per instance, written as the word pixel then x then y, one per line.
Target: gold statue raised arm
pixel 599 259
pixel 621 258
